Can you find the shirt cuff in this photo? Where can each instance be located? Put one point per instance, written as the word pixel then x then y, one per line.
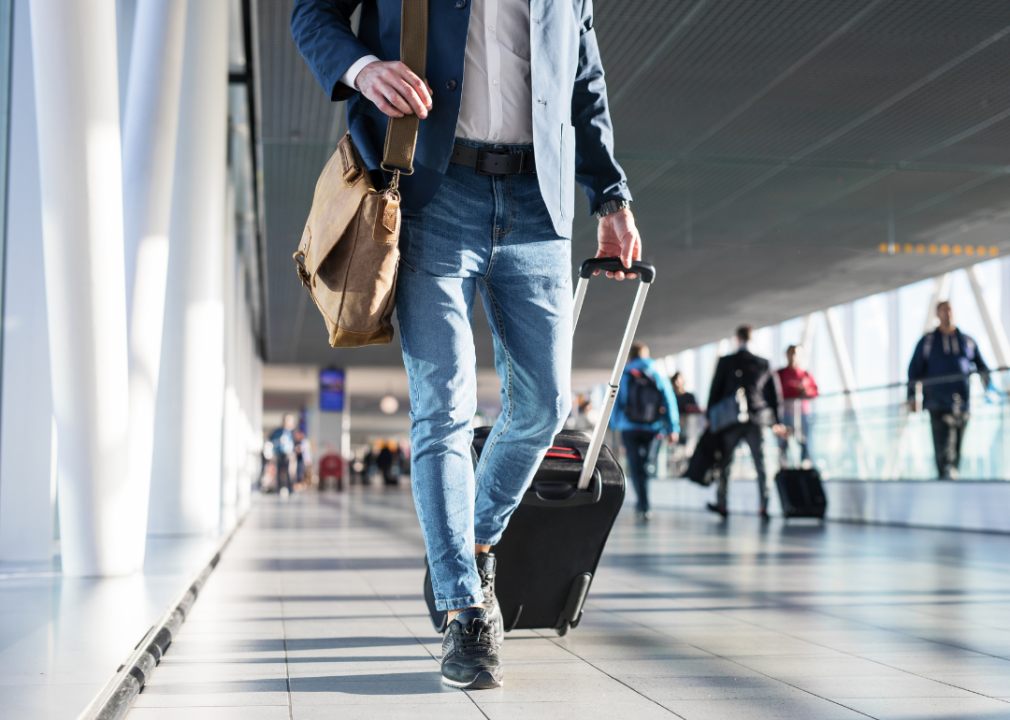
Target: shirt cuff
pixel 351 75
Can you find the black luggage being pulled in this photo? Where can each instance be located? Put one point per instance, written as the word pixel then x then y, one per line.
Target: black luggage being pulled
pixel 801 493
pixel 548 555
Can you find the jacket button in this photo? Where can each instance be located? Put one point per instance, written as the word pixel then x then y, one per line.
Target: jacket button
pixel 451 84
pixel 460 4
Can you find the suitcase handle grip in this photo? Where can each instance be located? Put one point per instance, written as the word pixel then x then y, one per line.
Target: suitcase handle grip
pixel 646 271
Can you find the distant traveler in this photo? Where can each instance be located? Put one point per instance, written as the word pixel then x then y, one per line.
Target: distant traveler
pixel 513 112
pixel 645 413
pixel 760 397
pixel 946 352
pixel 686 402
pixel 283 439
pixel 384 461
pixel 798 389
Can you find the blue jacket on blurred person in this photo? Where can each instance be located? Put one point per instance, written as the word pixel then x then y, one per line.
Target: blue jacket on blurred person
pixel 939 354
pixel 571 123
pixel 668 420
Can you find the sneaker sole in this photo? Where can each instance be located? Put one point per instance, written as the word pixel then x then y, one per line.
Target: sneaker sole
pixel 483 681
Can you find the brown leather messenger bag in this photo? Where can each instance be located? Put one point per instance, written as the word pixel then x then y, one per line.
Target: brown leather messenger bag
pixel 349 254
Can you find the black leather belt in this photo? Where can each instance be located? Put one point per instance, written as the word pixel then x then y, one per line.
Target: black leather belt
pixel 487 161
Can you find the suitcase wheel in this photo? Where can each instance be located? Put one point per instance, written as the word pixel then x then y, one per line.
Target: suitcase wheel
pixel 563 630
pixel 576 621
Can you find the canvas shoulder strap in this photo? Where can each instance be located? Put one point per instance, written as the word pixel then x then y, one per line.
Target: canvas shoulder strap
pixel 401 133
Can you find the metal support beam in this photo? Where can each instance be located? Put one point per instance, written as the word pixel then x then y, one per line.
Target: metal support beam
pixel 807 341
pixel 993 327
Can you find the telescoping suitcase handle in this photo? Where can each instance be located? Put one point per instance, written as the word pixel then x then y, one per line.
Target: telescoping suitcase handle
pixel 646 273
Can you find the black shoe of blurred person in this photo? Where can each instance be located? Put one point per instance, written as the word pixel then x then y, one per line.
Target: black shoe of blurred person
pixel 765 517
pixel 721 509
pixel 486 566
pixel 470 653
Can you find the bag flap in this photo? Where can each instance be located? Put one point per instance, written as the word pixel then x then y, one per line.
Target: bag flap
pixel 342 186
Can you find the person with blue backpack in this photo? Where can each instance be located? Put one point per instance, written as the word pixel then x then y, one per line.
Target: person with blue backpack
pixel 645 413
pixel 941 366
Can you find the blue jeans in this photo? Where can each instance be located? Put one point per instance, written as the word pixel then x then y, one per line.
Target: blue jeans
pixel 492 235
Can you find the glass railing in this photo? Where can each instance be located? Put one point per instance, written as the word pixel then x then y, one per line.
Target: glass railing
pixel 879 434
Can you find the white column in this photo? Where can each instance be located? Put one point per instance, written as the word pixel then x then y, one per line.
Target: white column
pixel 186 488
pixel 149 140
pixel 26 494
pixel 77 102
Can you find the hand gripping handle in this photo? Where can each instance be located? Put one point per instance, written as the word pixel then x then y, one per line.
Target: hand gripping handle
pixel 647 273
pixel 614 264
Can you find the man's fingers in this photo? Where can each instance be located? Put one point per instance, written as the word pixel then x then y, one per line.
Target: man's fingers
pixel 419 86
pixel 410 96
pixel 392 97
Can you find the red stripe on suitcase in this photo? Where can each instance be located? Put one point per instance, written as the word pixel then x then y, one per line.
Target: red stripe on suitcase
pixel 564 453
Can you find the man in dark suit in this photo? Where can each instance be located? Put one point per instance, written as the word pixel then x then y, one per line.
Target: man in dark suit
pixel 745 370
pixel 513 112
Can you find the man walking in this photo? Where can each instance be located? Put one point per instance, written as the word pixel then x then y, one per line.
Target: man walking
pixel 946 352
pixel 645 412
pixel 798 389
pixel 514 109
pixel 745 370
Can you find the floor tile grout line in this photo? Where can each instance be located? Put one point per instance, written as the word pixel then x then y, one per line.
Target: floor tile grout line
pixel 728 659
pixel 284 637
pixel 878 662
pixel 411 633
pixel 635 690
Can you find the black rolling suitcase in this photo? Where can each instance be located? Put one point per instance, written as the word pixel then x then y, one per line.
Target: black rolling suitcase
pixel 801 493
pixel 548 554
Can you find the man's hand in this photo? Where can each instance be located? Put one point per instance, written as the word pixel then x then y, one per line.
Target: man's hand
pixel 394 89
pixel 782 431
pixel 618 237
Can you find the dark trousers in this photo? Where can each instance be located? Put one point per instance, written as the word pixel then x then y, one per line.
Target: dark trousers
pixel 731 437
pixel 638 445
pixel 948 432
pixel 283 472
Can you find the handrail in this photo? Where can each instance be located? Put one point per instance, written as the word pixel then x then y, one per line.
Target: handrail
pixel 925 381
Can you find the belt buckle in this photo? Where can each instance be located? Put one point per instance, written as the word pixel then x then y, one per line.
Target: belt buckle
pixel 484 152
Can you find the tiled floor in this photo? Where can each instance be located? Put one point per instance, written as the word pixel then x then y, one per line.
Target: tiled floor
pixel 316 612
pixel 61 639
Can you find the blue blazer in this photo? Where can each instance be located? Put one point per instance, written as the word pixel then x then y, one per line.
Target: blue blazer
pixel 572 134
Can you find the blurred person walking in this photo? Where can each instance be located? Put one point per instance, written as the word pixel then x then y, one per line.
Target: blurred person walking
pixel 283 439
pixel 952 355
pixel 745 381
pixel 645 413
pixel 798 389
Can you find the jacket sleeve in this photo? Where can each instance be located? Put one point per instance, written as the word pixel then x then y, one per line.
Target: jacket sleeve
pixel 322 31
pixel 983 369
pixel 916 368
pixel 718 381
pixel 672 420
pixel 772 391
pixel 595 167
pixel 812 391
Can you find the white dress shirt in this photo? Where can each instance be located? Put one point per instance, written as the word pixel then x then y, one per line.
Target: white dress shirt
pixel 497 101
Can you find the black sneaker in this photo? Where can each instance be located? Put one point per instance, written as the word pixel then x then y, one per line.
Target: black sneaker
pixel 486 565
pixel 470 653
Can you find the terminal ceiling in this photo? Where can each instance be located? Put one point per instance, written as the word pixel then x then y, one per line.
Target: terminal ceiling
pixel 771 147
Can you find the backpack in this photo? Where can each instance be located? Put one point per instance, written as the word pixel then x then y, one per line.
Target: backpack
pixel 645 403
